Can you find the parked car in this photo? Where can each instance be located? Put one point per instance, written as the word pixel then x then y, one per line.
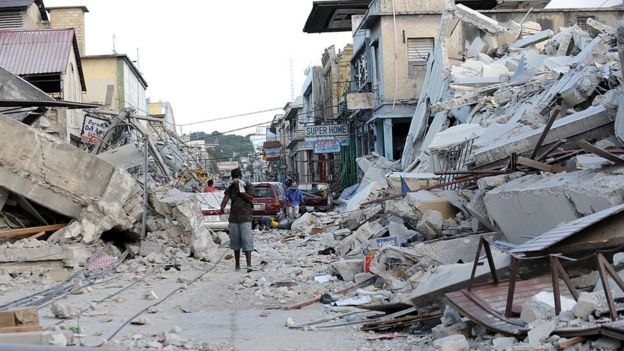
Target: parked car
pixel 268 200
pixel 317 196
pixel 211 209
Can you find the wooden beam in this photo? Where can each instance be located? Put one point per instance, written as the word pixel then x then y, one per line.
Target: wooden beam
pixel 602 153
pixel 546 129
pixel 543 166
pixel 565 343
pixel 36 236
pixel 33 230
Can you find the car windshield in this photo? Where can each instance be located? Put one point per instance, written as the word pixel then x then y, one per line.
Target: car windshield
pixel 263 192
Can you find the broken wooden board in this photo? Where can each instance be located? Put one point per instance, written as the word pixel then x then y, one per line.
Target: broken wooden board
pixel 21 320
pixel 32 230
pixel 545 167
pixel 602 153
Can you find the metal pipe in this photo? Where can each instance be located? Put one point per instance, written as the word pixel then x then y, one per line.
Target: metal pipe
pixel 145 188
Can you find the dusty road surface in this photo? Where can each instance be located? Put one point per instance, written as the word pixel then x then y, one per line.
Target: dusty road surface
pixel 208 306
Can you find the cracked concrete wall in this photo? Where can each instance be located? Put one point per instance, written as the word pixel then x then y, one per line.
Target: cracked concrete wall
pixel 65 179
pixel 531 205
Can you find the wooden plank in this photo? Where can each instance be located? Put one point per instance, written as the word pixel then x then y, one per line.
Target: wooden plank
pixel 21 329
pixel 7 319
pixel 602 153
pixel 543 166
pixel 32 230
pixel 562 344
pixel 546 129
pixel 38 235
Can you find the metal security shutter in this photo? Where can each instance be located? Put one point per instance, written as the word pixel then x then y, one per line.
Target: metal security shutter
pixel 419 49
pixel 11 19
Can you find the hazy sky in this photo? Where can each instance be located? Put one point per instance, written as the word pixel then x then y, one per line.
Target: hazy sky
pixel 210 58
pixel 217 58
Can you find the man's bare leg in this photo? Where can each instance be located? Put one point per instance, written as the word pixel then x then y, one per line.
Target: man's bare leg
pixel 248 259
pixel 237 259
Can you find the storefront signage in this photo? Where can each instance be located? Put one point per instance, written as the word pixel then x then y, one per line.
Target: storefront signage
pixel 326 130
pixel 327 146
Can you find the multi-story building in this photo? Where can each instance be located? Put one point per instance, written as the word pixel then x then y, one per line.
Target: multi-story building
pixel 162 110
pixel 23 14
pixel 114 81
pixel 57 71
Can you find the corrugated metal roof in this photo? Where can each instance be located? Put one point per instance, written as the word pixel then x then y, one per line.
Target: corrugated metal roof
pixel 15 3
pixel 565 231
pixel 36 51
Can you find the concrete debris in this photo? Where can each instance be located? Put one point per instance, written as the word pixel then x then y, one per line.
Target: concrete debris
pixel 455 342
pixel 540 332
pixel 535 310
pixel 430 224
pixel 63 311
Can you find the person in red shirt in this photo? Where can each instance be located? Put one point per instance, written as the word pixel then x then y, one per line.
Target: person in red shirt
pixel 210 188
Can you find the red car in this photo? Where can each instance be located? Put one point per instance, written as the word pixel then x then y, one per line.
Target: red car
pixel 316 196
pixel 268 200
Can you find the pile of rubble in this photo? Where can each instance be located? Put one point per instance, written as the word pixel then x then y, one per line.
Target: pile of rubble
pixel 519 167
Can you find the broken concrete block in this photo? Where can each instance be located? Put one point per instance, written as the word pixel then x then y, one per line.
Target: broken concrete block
pixel 147 247
pixel 606 344
pixel 535 310
pixel 540 203
pixel 566 127
pixel 401 232
pixel 540 332
pixel 63 311
pixel 476 47
pixel 450 316
pixel 431 285
pixel 455 342
pixel 430 224
pixel 359 237
pixel 503 343
pixel 364 194
pixel 588 303
pixel 477 19
pixel 348 268
pixel 202 245
pixel 533 39
pixel 489 183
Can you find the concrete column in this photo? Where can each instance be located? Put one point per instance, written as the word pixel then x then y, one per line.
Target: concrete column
pixel 620 41
pixel 379 137
pixel 373 55
pixel 387 138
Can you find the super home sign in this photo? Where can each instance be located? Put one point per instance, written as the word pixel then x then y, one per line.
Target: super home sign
pixel 325 130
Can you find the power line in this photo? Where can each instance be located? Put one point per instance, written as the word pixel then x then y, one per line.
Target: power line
pixel 231 116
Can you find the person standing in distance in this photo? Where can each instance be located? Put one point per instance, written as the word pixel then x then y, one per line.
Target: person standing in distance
pixel 241 195
pixel 294 197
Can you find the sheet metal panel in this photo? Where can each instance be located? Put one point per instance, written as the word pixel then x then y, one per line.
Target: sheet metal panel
pixel 565 231
pixel 35 51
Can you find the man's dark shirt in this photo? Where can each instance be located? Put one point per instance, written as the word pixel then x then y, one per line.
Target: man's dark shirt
pixel 240 210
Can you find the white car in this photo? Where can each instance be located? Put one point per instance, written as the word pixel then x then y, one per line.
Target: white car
pixel 211 209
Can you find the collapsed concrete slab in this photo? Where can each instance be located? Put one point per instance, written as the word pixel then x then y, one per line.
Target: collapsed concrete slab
pixel 430 285
pixel 67 180
pixel 568 127
pixel 531 205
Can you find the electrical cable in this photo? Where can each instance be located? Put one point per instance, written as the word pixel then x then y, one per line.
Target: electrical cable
pixel 165 298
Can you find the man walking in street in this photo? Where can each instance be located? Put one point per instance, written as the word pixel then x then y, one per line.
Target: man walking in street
pixel 294 197
pixel 241 194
